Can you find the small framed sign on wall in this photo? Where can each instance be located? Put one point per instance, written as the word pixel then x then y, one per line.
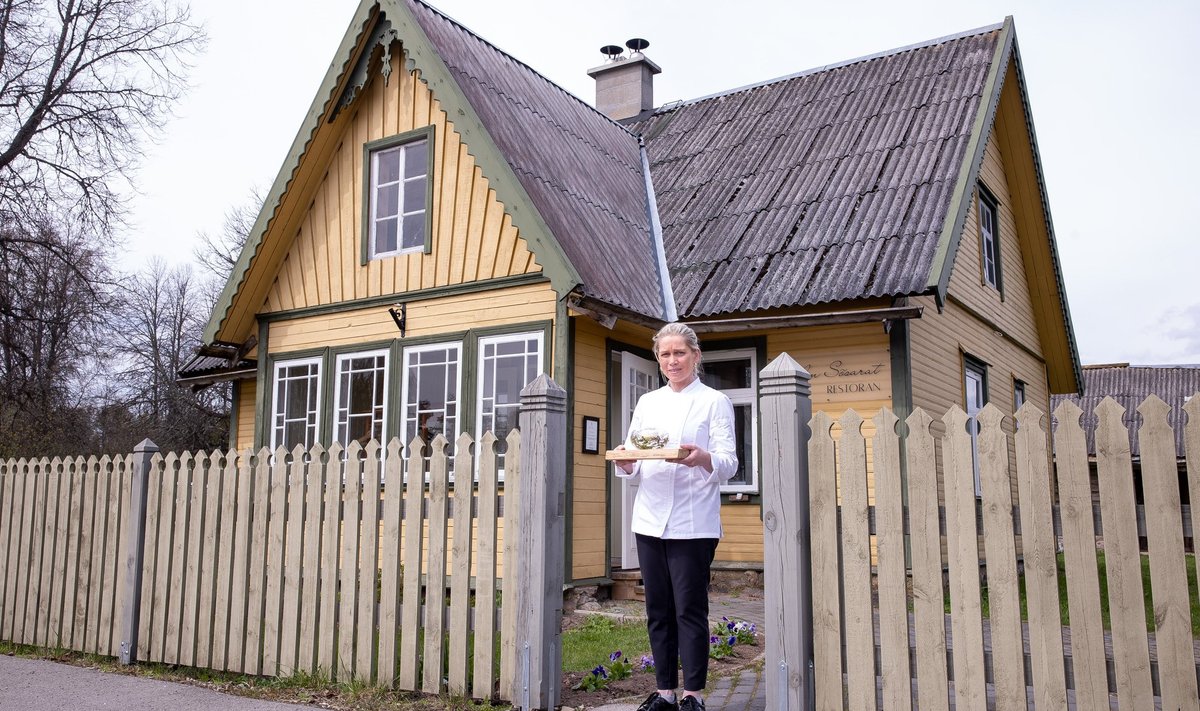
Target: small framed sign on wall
pixel 591 435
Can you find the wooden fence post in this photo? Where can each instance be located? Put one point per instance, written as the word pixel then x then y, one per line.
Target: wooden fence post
pixel 540 544
pixel 786 410
pixel 135 537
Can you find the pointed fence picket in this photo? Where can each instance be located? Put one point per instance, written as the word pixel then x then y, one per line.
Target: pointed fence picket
pixel 1029 524
pixel 329 562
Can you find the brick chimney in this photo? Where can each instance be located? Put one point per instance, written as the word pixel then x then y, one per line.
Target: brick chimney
pixel 625 85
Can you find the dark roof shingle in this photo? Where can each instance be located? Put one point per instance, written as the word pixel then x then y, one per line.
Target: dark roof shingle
pixel 1129 386
pixel 582 171
pixel 826 186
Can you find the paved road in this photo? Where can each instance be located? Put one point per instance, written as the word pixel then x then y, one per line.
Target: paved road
pixel 38 685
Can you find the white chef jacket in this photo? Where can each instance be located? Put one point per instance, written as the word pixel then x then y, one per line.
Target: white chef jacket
pixel 674 500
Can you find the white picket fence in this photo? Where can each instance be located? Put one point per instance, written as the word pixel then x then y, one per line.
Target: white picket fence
pixel 323 562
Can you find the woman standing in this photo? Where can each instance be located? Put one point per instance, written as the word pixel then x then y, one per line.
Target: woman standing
pixel 677 514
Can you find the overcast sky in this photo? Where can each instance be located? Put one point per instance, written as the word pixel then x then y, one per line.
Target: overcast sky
pixel 1112 87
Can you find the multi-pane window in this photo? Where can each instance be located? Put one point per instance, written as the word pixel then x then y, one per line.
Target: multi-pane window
pixel 1018 394
pixel 360 399
pixel 432 387
pixel 975 390
pixel 989 236
pixel 295 407
pixel 506 365
pixel 732 372
pixel 399 177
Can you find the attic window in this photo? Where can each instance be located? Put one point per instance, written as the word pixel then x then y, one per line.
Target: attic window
pixel 989 236
pixel 398 175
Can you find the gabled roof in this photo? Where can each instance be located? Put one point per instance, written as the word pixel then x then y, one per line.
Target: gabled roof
pixel 581 169
pixel 1129 386
pixel 828 185
pixel 570 178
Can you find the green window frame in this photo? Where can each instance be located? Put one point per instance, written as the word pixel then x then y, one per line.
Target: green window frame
pixel 398 195
pixel 989 239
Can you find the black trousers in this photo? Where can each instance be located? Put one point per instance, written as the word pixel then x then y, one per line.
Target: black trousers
pixel 675 574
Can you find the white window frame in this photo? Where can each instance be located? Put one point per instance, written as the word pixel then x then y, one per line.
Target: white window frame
pixel 406 363
pixel 382 407
pixel 421 181
pixel 481 343
pixel 743 396
pixel 315 412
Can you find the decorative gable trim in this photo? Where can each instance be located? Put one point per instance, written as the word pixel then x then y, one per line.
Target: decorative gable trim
pixel 385 19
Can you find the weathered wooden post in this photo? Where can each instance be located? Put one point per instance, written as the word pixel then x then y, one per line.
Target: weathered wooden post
pixel 786 411
pixel 135 537
pixel 540 544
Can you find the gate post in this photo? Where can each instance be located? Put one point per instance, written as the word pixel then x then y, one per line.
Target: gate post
pixel 135 539
pixel 786 410
pixel 540 545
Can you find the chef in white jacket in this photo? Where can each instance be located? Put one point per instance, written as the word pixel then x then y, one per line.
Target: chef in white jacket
pixel 677 514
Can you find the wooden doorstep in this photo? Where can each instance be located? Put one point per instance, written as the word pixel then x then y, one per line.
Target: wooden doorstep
pixel 675 453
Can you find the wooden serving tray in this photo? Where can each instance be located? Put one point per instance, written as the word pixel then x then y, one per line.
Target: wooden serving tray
pixel 672 453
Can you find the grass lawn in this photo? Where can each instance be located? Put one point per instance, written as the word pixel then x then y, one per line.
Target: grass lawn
pixel 589 644
pixel 1102 570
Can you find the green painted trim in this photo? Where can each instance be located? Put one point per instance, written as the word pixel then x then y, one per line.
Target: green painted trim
pixel 428 133
pixel 495 167
pixel 261 402
pixel 602 580
pixel 326 96
pixel 968 173
pixel 436 292
pixel 901 354
pixel 564 357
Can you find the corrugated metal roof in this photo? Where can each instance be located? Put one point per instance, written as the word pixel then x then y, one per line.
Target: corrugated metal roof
pixel 1129 386
pixel 582 170
pixel 826 186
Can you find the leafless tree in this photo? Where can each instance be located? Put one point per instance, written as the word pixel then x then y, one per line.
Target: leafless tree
pixel 52 336
pixel 218 253
pixel 83 83
pixel 163 317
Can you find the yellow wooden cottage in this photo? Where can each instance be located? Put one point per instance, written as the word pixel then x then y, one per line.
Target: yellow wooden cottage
pixel 449 224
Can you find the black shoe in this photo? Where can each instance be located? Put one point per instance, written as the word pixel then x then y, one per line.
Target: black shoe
pixel 655 702
pixel 691 703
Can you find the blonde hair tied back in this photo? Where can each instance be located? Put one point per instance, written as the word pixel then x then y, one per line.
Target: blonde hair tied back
pixel 689 337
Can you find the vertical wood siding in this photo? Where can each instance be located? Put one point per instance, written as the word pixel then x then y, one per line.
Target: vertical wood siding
pixel 472 236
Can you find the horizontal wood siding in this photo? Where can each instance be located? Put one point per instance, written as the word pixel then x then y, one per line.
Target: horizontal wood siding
pixel 243 433
pixel 472 237
pixel 450 314
pixel 590 485
pixel 1012 313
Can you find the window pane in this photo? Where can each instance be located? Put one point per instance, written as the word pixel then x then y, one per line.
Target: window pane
pixel 416 158
pixel 387 166
pixel 387 198
pixel 728 374
pixel 414 196
pixel 414 231
pixel 385 236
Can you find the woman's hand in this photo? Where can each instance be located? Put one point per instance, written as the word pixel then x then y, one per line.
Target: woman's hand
pixel 626 465
pixel 696 456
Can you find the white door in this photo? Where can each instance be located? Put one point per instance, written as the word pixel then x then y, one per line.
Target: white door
pixel 638 377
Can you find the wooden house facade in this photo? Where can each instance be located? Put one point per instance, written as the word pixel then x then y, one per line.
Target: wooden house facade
pixel 449 224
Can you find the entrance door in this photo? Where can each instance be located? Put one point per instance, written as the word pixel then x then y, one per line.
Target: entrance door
pixel 638 377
